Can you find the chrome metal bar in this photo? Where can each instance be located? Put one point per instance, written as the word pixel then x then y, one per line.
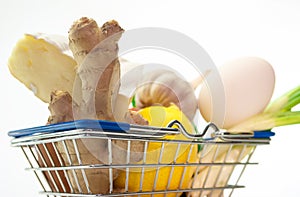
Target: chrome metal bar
pixel 210 167
pixel 145 132
pixel 221 170
pixel 146 165
pixel 71 163
pixel 172 167
pixel 80 163
pixel 127 162
pixel 190 135
pixel 244 167
pixel 162 148
pixel 53 164
pixel 89 134
pixel 31 165
pixel 110 160
pixel 140 192
pixel 62 164
pixel 159 131
pixel 239 159
pixel 59 178
pixel 143 165
pixel 203 151
pixel 45 164
pixel 185 168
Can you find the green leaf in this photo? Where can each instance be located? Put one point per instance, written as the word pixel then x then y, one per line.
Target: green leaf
pixel 133 101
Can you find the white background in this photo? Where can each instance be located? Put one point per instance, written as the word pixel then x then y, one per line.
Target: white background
pixel 226 29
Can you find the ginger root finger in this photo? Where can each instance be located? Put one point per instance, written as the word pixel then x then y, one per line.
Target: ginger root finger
pixel 96 53
pixel 61 107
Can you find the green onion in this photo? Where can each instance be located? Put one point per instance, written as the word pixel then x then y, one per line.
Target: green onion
pixel 286 102
pixel 278 113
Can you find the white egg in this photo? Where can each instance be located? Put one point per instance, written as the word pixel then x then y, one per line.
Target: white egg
pixel 248 85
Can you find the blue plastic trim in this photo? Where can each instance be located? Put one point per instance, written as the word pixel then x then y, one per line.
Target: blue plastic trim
pixel 102 125
pixel 263 134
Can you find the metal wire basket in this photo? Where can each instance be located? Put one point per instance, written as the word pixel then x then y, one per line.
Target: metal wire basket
pixel 86 158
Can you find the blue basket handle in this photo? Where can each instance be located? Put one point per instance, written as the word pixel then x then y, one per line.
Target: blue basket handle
pixel 72 125
pixel 263 134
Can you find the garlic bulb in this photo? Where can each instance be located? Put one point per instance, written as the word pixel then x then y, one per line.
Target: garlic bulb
pixel 163 87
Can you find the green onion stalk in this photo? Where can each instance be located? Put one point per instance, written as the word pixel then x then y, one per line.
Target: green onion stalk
pixel 277 113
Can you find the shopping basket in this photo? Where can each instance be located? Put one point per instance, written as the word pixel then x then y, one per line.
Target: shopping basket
pixel 57 155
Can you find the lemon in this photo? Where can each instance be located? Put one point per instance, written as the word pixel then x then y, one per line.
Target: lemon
pixel 164 177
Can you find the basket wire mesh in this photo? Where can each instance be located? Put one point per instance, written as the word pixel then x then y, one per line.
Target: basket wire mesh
pixel 62 167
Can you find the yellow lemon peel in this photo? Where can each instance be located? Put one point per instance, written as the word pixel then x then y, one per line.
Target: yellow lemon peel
pixel 164 177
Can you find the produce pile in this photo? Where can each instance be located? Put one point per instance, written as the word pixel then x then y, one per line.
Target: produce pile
pixel 79 78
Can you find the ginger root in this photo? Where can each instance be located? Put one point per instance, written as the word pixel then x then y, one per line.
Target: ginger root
pixel 92 151
pixel 41 63
pixel 61 107
pixel 98 75
pixel 94 95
